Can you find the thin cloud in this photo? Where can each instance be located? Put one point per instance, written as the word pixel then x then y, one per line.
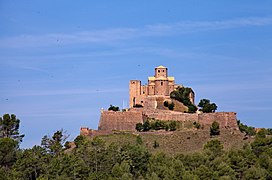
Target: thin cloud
pixel 119 34
pixel 66 92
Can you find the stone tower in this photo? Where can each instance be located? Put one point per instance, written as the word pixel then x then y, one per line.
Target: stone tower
pixel 159 85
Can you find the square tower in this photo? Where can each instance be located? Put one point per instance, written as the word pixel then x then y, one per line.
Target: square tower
pixel 161 71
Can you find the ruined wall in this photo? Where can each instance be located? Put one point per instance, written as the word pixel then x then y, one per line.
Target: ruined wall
pixel 111 120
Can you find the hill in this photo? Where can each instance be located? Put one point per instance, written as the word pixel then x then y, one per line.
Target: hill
pixel 174 142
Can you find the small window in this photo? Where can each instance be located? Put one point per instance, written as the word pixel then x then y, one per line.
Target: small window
pixel 159 71
pixel 161 83
pixel 162 70
pixel 143 92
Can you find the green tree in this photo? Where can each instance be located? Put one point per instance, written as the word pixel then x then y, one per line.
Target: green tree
pixel 206 106
pixel 214 147
pixel 182 94
pixel 214 129
pixel 54 145
pixel 113 108
pixel 9 127
pixel 8 149
pixel 31 163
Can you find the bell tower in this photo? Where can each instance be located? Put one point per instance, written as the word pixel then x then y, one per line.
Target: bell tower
pixel 161 72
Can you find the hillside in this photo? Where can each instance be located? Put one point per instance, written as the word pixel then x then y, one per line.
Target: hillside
pixel 178 141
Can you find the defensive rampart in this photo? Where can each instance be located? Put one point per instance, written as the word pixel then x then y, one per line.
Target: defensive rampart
pixel 111 120
pixel 126 121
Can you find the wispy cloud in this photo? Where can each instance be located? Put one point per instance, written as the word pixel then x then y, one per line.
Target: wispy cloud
pixel 118 34
pixel 65 92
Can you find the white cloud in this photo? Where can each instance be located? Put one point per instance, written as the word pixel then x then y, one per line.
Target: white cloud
pixel 118 34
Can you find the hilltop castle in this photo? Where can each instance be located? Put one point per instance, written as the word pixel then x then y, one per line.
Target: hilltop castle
pixel 147 102
pixel 159 85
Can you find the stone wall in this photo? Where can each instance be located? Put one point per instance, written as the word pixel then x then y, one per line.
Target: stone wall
pixel 126 121
pixel 111 120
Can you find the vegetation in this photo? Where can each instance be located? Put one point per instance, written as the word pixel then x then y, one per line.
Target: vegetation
pixel 196 125
pixel 182 94
pixel 95 158
pixel 206 106
pixel 113 108
pixel 152 124
pixel 249 130
pixel 214 129
pixel 170 106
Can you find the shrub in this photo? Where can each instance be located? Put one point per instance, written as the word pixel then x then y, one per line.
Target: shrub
pixel 171 106
pixel 113 108
pixel 214 129
pixel 139 127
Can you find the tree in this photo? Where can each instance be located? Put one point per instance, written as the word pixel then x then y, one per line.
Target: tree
pixel 206 106
pixel 8 148
pixel 182 94
pixel 55 144
pixel 9 127
pixel 214 129
pixel 113 108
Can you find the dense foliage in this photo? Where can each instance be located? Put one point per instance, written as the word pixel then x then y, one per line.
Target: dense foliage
pixel 170 106
pixel 182 94
pixel 246 129
pixel 214 129
pixel 113 108
pixel 206 106
pixel 152 124
pixel 93 158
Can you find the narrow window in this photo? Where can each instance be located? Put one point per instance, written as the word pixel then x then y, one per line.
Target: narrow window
pixel 161 83
pixel 159 71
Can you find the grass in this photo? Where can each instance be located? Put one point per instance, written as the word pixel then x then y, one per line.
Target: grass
pixel 178 141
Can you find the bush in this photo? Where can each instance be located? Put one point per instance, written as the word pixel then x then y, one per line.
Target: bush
pixel 214 129
pixel 173 125
pixel 171 106
pixel 249 130
pixel 197 125
pixel 113 108
pixel 206 106
pixel 139 127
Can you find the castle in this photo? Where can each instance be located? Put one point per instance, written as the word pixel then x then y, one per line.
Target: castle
pixel 159 85
pixel 147 102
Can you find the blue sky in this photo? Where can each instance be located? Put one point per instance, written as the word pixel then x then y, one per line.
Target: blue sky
pixel 61 61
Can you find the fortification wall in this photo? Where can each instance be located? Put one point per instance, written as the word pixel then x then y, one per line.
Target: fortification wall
pixel 226 120
pixel 111 120
pixel 127 121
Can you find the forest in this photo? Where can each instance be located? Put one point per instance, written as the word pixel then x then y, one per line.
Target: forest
pixel 93 158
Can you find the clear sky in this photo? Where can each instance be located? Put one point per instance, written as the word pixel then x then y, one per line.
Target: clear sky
pixel 62 61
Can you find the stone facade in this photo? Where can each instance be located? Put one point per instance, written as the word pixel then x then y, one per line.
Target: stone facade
pixel 158 85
